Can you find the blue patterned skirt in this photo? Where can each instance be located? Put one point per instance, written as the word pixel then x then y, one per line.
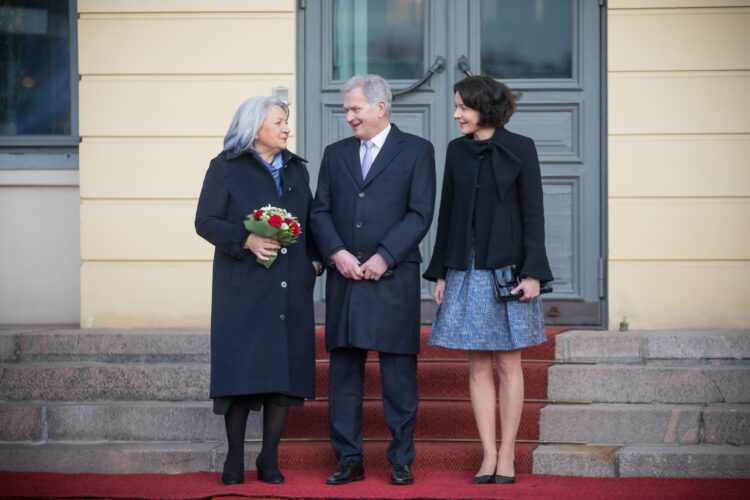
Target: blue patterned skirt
pixel 470 317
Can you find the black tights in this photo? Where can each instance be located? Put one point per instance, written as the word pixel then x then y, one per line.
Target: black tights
pixel 274 421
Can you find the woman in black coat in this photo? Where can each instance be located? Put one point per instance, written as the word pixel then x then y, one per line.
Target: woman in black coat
pixel 491 216
pixel 262 324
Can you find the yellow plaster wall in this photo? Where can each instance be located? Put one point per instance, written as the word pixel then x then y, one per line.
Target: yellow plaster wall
pixel 160 80
pixel 679 178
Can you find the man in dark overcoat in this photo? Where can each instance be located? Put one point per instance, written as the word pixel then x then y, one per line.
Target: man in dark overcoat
pixel 374 204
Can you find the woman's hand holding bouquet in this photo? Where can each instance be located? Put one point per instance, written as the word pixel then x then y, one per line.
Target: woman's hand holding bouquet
pixel 276 224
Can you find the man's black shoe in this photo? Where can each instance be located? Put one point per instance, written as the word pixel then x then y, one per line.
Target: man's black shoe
pixel 346 472
pixel 400 474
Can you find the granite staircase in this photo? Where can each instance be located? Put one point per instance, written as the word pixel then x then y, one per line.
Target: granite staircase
pixel 132 401
pixel 662 404
pixel 129 401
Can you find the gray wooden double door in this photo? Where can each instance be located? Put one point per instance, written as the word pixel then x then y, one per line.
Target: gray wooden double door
pixel 547 51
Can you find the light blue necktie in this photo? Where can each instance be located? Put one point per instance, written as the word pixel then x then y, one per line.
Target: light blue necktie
pixel 367 159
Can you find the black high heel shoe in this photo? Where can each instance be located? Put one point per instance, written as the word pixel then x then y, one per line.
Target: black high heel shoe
pixel 271 477
pixel 229 477
pixel 486 479
pixel 499 479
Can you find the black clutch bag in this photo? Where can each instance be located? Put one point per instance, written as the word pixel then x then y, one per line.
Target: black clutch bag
pixel 506 279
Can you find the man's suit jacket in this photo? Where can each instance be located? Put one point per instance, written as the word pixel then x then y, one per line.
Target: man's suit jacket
pixel 389 212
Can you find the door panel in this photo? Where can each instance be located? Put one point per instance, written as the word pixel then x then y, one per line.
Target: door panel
pixel 546 51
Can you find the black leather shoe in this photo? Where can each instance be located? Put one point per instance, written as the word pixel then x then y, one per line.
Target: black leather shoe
pixel 400 474
pixel 346 472
pixel 232 475
pixel 506 479
pixel 271 477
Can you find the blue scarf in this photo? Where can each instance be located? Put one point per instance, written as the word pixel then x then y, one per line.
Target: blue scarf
pixel 274 167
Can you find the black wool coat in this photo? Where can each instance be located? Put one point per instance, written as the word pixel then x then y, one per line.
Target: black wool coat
pixel 262 323
pixel 389 212
pixel 496 186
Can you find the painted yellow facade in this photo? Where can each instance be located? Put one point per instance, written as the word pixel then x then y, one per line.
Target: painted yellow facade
pixel 161 79
pixel 679 179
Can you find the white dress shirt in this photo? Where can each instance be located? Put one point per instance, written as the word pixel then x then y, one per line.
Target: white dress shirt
pixel 377 142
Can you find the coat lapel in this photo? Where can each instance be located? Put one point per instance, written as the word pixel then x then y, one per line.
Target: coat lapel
pixel 351 158
pixel 287 181
pixel 391 148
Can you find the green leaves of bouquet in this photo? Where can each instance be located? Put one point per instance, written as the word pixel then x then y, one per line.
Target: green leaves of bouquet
pixel 276 223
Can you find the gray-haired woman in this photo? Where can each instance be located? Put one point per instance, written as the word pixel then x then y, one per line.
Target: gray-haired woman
pixel 262 326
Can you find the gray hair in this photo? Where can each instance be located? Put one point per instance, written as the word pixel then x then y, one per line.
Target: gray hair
pixel 374 87
pixel 248 121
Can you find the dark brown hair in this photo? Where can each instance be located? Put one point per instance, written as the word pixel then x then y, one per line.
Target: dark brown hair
pixel 492 99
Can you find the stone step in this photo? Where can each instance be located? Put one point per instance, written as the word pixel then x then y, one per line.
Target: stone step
pixel 195 421
pixel 116 458
pixel 435 420
pixel 655 347
pixel 441 379
pixel 116 421
pixel 93 381
pixel 173 458
pixel 167 345
pixel 139 381
pixel 702 460
pixel 114 346
pixel 568 460
pixel 623 383
pixel 620 424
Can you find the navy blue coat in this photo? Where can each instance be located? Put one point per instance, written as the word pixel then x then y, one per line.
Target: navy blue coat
pixel 389 213
pixel 262 323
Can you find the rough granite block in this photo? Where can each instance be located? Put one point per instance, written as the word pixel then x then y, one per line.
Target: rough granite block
pixel 565 460
pixel 619 424
pixel 722 461
pixel 100 381
pixel 20 422
pixel 116 458
pixel 8 347
pixel 650 384
pixel 726 424
pixel 585 345
pixel 698 345
pixel 141 421
pixel 166 345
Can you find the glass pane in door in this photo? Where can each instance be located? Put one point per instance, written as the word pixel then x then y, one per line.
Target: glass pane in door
pixel 378 36
pixel 527 39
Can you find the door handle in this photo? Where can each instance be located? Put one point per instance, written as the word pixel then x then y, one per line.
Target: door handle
pixel 437 67
pixel 463 65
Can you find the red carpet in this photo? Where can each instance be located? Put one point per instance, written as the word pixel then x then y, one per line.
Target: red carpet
pixel 446 435
pixel 309 484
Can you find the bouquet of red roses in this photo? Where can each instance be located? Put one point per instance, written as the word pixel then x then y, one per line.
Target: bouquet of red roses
pixel 276 223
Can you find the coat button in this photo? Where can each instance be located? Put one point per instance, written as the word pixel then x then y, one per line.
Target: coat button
pixel 360 255
pixel 282 317
pixel 288 190
pixel 283 251
pixel 283 284
pixel 361 195
pixel 358 224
